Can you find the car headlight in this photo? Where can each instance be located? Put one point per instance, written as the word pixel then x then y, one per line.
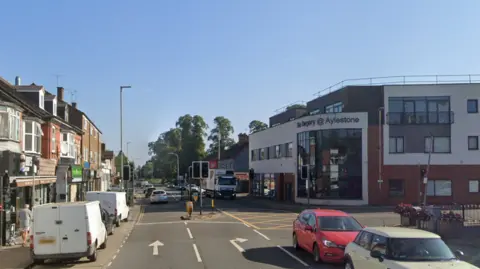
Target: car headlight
pixel 328 243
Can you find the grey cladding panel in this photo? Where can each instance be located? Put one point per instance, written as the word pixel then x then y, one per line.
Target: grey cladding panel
pixel 414 135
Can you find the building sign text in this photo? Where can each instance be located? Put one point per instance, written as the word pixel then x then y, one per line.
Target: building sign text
pixel 327 121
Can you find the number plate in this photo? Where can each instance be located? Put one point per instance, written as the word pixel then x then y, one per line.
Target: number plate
pixel 46 241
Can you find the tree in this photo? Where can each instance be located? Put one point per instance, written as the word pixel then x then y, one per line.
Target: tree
pixel 257 126
pixel 295 106
pixel 224 129
pixel 118 162
pixel 147 169
pixel 187 140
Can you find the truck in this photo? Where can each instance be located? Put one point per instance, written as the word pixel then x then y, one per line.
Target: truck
pixel 221 183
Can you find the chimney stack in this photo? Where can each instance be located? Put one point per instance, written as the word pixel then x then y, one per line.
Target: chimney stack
pixel 242 138
pixel 74 104
pixel 18 81
pixel 60 91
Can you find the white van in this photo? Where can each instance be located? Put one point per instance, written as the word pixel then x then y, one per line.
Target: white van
pixel 114 202
pixel 67 231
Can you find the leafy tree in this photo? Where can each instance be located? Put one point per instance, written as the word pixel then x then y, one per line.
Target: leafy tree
pixel 295 106
pixel 224 129
pixel 257 126
pixel 147 169
pixel 118 162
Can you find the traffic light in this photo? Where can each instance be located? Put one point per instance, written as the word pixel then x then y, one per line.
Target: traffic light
pixel 190 172
pixel 205 167
pixel 132 172
pixel 196 167
pixel 126 173
pixel 304 172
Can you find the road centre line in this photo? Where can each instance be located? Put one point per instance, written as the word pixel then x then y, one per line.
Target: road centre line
pixel 275 220
pixel 239 219
pixel 195 249
pixel 293 256
pixel 262 235
pixel 189 233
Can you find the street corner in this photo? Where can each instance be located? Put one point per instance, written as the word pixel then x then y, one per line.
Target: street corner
pixel 263 219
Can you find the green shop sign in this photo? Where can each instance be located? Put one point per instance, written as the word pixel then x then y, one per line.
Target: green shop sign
pixel 76 171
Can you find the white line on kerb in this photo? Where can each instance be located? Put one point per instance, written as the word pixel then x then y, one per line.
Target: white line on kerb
pixel 199 259
pixel 189 233
pixel 262 235
pixel 108 265
pixel 293 256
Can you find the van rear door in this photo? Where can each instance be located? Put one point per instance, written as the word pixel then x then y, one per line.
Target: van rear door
pixel 45 230
pixel 73 229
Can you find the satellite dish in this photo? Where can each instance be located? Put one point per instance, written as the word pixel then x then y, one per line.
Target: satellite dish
pixel 64 148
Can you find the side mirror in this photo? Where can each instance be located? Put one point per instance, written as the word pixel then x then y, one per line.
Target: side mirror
pixel 459 253
pixel 309 228
pixel 377 255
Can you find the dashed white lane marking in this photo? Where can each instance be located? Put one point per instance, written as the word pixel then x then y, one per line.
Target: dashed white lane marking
pixel 293 256
pixel 108 265
pixel 114 257
pixel 185 222
pixel 262 235
pixel 118 250
pixel 246 225
pixel 189 233
pixel 199 259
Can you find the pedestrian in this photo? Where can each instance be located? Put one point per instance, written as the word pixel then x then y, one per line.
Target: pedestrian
pixel 25 218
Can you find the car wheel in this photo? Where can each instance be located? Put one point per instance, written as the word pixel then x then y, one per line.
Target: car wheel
pixel 93 257
pixel 316 254
pixel 295 242
pixel 349 265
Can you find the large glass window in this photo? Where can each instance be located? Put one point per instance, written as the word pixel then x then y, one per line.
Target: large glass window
pixel 335 160
pixel 419 110
pixel 32 141
pixel 439 144
pixel 439 188
pixel 9 123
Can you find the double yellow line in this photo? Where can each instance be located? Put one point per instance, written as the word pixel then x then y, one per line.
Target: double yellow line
pixel 142 212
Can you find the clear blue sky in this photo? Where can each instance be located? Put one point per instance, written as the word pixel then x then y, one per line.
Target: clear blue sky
pixel 241 59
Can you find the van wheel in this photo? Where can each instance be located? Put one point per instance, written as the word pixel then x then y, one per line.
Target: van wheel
pixel 38 261
pixel 93 257
pixel 104 245
pixel 118 221
pixel 128 215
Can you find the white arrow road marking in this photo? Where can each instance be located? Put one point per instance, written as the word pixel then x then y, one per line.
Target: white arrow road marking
pixel 239 240
pixel 155 246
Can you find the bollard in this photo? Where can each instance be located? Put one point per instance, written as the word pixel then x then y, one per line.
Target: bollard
pixel 189 206
pixel 213 205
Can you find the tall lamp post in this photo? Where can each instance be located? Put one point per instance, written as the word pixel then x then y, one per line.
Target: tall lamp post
pixel 121 132
pixel 128 143
pixel 178 171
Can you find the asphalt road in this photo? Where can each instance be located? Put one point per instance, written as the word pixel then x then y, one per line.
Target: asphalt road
pixel 239 237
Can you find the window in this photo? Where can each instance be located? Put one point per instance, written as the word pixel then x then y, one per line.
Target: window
pixel 32 141
pixel 289 149
pixel 379 243
pixel 278 153
pixel 335 108
pixel 85 154
pixel 9 124
pixel 91 156
pixel 396 187
pixel 54 140
pixel 68 143
pixel 262 154
pixel 91 129
pixel 85 123
pixel 66 113
pixel 254 155
pixel 473 143
pixel 94 157
pixel 439 188
pixel 54 107
pixel 473 185
pixel 472 106
pixel 41 100
pixel 312 221
pixel 441 144
pixel 365 240
pixel 419 110
pixel 315 112
pixel 396 144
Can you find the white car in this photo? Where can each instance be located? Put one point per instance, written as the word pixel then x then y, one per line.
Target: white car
pixel 396 247
pixel 159 196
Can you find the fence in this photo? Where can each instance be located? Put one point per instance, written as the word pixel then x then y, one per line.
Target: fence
pixel 449 221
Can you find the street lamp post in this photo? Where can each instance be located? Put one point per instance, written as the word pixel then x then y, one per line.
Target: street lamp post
pixel 121 132
pixel 218 166
pixel 178 169
pixel 128 143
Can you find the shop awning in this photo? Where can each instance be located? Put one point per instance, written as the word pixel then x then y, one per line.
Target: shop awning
pixel 28 180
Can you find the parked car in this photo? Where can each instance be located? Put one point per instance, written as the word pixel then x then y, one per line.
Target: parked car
pixel 114 202
pixel 396 247
pixel 67 231
pixel 159 196
pixel 325 233
pixel 109 221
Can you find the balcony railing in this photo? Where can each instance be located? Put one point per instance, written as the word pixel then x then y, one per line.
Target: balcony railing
pixel 409 118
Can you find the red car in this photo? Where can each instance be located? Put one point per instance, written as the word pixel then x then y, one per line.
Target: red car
pixel 325 233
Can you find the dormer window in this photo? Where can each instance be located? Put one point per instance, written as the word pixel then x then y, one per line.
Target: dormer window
pixel 66 114
pixel 41 100
pixel 54 107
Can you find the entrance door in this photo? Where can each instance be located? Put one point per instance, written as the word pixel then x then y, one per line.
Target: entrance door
pixel 288 192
